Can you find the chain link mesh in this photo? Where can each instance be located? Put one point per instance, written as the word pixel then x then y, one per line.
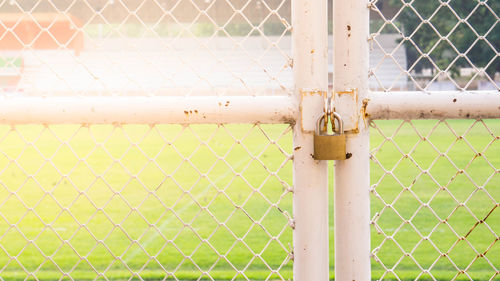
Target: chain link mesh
pixel 435 194
pixel 435 199
pixel 430 45
pixel 136 202
pixel 145 47
pixel 202 202
pixel 213 202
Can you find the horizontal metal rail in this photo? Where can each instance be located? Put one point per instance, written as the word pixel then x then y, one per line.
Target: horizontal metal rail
pixel 433 105
pixel 147 110
pixel 236 109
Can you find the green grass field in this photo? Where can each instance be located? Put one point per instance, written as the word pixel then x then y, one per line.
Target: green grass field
pixel 444 221
pixel 111 209
pixel 106 202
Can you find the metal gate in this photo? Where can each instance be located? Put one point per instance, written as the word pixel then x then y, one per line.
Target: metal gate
pixel 173 140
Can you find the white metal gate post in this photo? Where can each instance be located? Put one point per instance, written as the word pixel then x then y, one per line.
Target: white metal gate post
pixel 310 66
pixel 352 176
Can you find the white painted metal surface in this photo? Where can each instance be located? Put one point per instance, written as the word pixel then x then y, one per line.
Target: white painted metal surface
pixel 352 176
pixel 147 110
pixel 433 105
pixel 310 207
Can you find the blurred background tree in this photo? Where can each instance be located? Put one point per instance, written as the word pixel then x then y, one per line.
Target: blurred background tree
pixel 453 35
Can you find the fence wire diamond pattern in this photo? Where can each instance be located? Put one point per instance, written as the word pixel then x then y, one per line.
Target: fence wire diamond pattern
pixel 435 183
pixel 435 199
pixel 145 201
pixel 435 45
pixel 146 47
pixel 165 202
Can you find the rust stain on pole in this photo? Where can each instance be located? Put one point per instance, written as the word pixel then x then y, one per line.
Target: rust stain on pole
pixel 347 104
pixel 307 96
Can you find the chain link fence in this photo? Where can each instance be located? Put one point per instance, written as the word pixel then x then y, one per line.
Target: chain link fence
pixel 433 45
pixel 152 47
pixel 141 202
pixel 434 199
pixel 435 194
pixel 145 201
pixel 214 202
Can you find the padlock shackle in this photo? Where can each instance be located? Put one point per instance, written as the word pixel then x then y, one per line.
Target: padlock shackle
pixel 335 115
pixel 332 116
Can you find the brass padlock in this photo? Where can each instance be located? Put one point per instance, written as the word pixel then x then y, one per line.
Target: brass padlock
pixel 329 146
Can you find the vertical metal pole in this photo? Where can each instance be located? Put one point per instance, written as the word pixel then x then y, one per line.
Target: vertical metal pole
pixel 352 176
pixel 310 66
